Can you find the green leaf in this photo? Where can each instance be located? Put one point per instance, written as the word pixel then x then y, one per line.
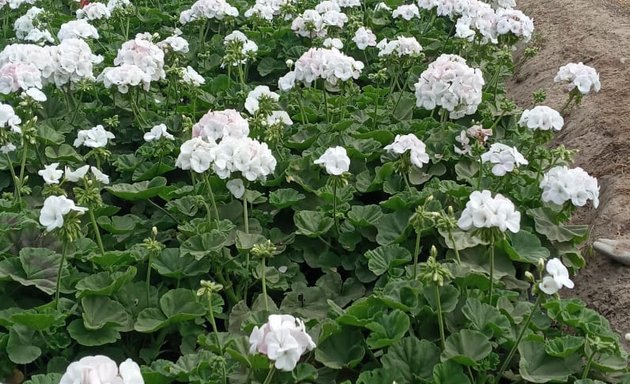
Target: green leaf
pixel 269 65
pixel 171 264
pixel 100 311
pixel 20 346
pixel 411 360
pixel 285 197
pixel 206 244
pixel 92 338
pixel 545 225
pixel 139 191
pixel 246 241
pixel 51 378
pixel 387 258
pixel 365 215
pixel 37 321
pixel 564 346
pixel 449 372
pixel 525 247
pixel 449 296
pixel 177 305
pixel 486 318
pixel 312 223
pixel 342 349
pixel 63 152
pixel 393 228
pixel 119 224
pixel 388 329
pixel 537 366
pixel 466 347
pixel 304 372
pixel 35 266
pixel 104 283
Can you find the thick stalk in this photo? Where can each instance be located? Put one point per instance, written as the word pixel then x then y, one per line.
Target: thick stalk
pixel 212 200
pixel 212 321
pixel 415 255
pixel 450 237
pixel 23 163
pixel 270 375
pixel 245 215
pixel 438 301
pixel 150 261
pixel 264 284
pixel 59 271
pixel 14 178
pixel 335 205
pixel 589 362
pixel 97 233
pixel 491 268
pixel 507 361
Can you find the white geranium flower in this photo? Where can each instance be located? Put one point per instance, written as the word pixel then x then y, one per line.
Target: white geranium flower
pixel 216 125
pixel 192 77
pixel 484 211
pixel 333 43
pixel 174 43
pixel 283 339
pixel 585 78
pixel 7 148
pixel 558 277
pixel 252 103
pixel 196 154
pixel 561 184
pixel 279 117
pixel 9 119
pixel 407 12
pixel 53 211
pixel 36 94
pixel 75 176
pixel 411 143
pixel 94 11
pixel 364 38
pixel 51 174
pixel 102 370
pixel 335 160
pixel 99 176
pixel 236 188
pixel 504 158
pixel 79 29
pixel 96 137
pixel 541 117
pixel 158 132
pixel 287 82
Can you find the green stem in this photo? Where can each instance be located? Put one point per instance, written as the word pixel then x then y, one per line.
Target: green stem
pixel 150 261
pixel 588 365
pixel 507 361
pixel 227 287
pixel 264 284
pixel 213 322
pixel 212 200
pixel 245 216
pixel 335 205
pixel 491 268
pixel 415 255
pixel 439 313
pixel 167 213
pixel 23 163
pixel 450 237
pixel 14 178
pixel 326 104
pixel 61 263
pixel 97 233
pixel 270 375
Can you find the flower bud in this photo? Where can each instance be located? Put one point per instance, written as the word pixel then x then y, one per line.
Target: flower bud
pixel 289 63
pixel 529 276
pixel 154 231
pixel 541 263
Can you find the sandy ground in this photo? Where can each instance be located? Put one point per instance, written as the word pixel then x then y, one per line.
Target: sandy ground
pixel 597 33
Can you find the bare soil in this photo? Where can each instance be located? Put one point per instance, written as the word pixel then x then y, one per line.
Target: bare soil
pixel 597 33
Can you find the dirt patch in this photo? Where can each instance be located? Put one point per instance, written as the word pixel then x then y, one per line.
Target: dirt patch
pixel 598 34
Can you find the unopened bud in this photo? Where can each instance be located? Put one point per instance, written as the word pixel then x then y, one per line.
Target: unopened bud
pixel 541 263
pixel 154 230
pixel 529 276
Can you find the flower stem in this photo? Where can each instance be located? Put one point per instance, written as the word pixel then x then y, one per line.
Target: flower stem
pixel 507 361
pixel 97 233
pixel 264 284
pixel 150 262
pixel 335 205
pixel 213 321
pixel 16 192
pixel 588 365
pixel 415 255
pixel 214 203
pixel 439 313
pixel 491 268
pixel 270 375
pixel 23 163
pixel 245 215
pixel 61 263
pixel 326 104
pixel 450 237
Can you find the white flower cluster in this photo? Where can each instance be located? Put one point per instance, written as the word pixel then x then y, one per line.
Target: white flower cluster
pixel 79 29
pixel 15 4
pixel 482 19
pixel 558 277
pixel 191 77
pixel 348 3
pixel 8 118
pixel 333 42
pixel 96 137
pixel 40 57
pixel 283 339
pixel 261 92
pixel 208 9
pixel 416 147
pixel 504 158
pixel 16 76
pixel 515 22
pixel 240 46
pixel 328 64
pixel 74 62
pixel 174 43
pixel 364 38
pixel 79 173
pixel 216 125
pixel 406 11
pixel 113 5
pixel 450 84
pixel 315 22
pixel 139 62
pixel 51 216
pixel 401 46
pixel 335 160
pixel 158 132
pixel 484 211
pixel 267 9
pixel 25 27
pixel 585 78
pixel 476 132
pixel 94 11
pixel 508 4
pixel 541 117
pixel 562 184
pixel 101 369
pixel 251 158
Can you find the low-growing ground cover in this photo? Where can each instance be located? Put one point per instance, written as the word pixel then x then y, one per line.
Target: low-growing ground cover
pixel 287 192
